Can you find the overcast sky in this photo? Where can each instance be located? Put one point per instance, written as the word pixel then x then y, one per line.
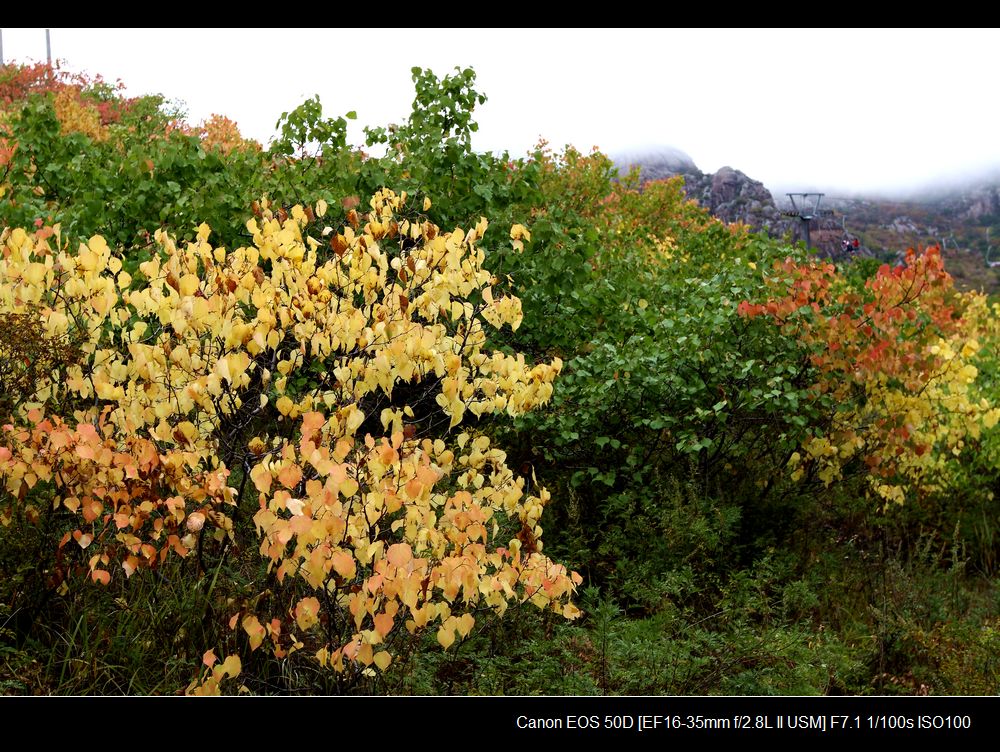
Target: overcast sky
pixel 843 110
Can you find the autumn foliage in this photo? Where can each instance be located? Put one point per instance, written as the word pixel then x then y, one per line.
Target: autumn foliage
pixel 268 426
pixel 895 360
pixel 368 505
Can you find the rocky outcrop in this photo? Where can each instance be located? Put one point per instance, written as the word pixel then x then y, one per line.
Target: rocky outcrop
pixel 732 196
pixel 980 203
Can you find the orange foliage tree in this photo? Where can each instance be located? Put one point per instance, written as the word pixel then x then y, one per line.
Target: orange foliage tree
pixel 895 361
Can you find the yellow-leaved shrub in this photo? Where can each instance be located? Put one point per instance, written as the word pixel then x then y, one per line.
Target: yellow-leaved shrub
pixel 328 370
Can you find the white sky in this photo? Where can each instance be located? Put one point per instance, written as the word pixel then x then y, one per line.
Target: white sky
pixel 843 110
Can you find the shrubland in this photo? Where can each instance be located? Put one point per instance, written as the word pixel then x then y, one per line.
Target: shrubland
pixel 305 419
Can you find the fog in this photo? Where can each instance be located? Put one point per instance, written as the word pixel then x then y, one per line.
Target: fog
pixel 888 111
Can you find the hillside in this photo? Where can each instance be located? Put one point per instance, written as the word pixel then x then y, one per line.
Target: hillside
pixel 963 220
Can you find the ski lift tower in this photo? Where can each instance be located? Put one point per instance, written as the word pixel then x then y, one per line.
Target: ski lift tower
pixel 805 206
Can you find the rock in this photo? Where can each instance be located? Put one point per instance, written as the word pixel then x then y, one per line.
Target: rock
pixel 732 196
pixel 657 163
pixel 982 203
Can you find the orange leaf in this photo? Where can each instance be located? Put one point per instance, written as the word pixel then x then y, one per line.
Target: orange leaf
pixel 399 554
pixel 312 422
pixel 383 624
pixel 365 655
pixel 290 475
pixel 130 565
pixel 343 563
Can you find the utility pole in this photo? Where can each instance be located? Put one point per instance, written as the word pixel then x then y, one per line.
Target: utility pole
pixel 48 48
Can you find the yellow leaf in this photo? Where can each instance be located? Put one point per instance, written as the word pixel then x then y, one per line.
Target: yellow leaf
pixel 284 405
pixel 307 612
pixel 323 656
pixel 34 273
pixel 232 665
pixel 465 624
pixel 254 630
pixel 354 420
pixel 382 659
pixel 386 417
pixel 446 637
pixel 261 477
pixel 571 612
pixel 189 284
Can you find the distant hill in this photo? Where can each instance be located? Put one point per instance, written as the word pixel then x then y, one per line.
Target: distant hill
pixel 963 219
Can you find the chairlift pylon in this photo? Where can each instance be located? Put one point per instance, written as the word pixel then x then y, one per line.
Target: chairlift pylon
pixel 805 208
